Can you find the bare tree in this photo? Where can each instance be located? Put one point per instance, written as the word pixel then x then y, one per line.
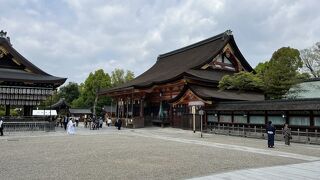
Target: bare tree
pixel 311 59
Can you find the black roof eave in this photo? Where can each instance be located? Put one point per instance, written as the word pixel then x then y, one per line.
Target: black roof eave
pixel 56 83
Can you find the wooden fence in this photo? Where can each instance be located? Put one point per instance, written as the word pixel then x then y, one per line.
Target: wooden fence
pixel 305 136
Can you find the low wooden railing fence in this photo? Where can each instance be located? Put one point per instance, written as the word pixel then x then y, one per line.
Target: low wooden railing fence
pixel 305 136
pixel 27 123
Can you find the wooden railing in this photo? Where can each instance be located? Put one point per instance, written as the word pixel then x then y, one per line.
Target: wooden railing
pixel 25 118
pixel 27 123
pixel 306 136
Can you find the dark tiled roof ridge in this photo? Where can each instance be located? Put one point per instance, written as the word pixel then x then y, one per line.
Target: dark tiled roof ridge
pixel 60 102
pixel 188 47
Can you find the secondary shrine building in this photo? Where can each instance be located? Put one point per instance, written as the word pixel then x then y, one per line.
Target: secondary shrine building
pixel 22 84
pixel 181 79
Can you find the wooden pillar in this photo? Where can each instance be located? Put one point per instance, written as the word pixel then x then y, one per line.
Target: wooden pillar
pixel 170 114
pixel 141 107
pixel 27 111
pixel 311 119
pixel 111 108
pixel 7 110
pixel 123 110
pixel 127 114
pixel 232 117
pixel 118 110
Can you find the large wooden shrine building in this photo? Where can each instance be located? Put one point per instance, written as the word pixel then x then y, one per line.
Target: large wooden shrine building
pixel 181 79
pixel 22 84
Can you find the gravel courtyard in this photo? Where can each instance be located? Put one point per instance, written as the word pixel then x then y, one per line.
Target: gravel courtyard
pixel 149 153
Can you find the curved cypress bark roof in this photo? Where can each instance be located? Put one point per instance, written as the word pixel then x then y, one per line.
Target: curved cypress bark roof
pixel 33 74
pixel 213 93
pixel 186 61
pixel 61 104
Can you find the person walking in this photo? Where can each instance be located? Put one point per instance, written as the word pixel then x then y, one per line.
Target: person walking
pixel 119 123
pixel 286 134
pixel 89 122
pixel 65 122
pixel 77 121
pixel 271 132
pixel 109 122
pixel 71 126
pixel 100 122
pixel 1 127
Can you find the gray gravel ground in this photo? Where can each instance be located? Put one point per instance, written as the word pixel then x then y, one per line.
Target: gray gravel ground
pixel 112 154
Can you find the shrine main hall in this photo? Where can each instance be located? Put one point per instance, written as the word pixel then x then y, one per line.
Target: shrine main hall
pixel 186 80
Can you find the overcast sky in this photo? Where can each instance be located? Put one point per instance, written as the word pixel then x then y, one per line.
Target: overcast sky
pixel 72 38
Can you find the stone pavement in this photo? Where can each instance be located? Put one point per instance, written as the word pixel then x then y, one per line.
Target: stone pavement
pixel 294 171
pixel 150 153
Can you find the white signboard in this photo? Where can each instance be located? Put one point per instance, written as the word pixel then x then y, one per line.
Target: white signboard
pixel 193 109
pixel 44 112
pixel 196 103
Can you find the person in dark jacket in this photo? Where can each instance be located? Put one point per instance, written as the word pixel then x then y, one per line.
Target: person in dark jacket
pixel 118 123
pixel 65 122
pixel 271 132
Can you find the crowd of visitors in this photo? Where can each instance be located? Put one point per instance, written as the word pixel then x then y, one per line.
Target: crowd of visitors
pixel 70 123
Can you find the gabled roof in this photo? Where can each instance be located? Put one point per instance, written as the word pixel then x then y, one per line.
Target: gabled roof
pixel 60 104
pixel 212 75
pixel 186 61
pixel 213 93
pixel 30 72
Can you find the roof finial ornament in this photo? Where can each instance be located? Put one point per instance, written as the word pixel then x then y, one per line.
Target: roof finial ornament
pixel 228 32
pixel 3 34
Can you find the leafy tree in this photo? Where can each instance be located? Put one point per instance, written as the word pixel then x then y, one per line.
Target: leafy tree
pixel 274 77
pixel 129 76
pixel 69 92
pixel 118 76
pixel 261 68
pixel 241 81
pixel 311 60
pixel 95 82
pixel 80 101
pixel 281 72
pixel 88 91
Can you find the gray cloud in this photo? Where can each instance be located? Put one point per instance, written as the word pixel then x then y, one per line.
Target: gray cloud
pixel 72 38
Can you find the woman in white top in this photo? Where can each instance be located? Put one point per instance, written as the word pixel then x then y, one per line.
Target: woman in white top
pixel 71 128
pixel 109 122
